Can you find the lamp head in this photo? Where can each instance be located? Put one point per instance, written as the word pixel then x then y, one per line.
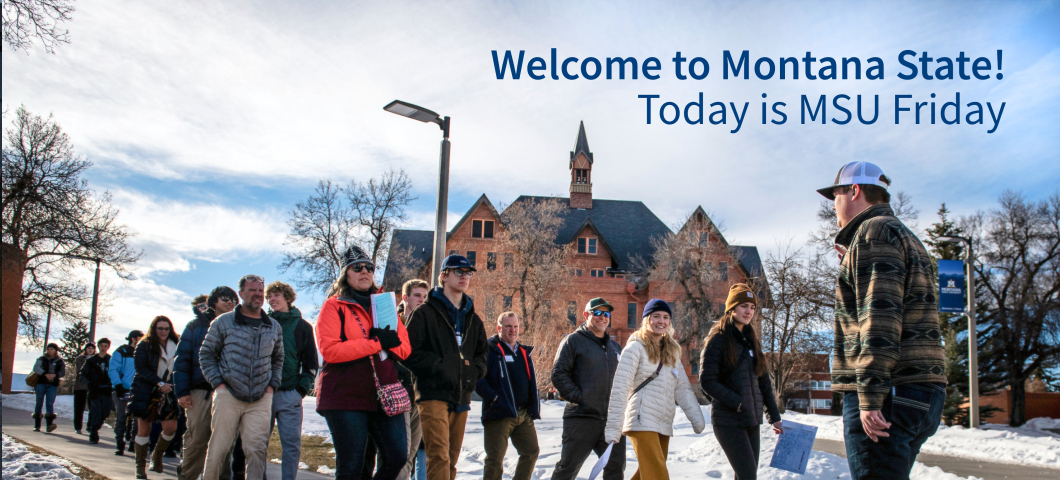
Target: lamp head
pixel 414 112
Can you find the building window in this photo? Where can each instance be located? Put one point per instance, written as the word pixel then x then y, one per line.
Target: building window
pixel 631 315
pixel 572 312
pixel 723 268
pixel 704 238
pixel 821 385
pixel 821 404
pixel 507 302
pixel 581 175
pixel 797 403
pixel 509 260
pixel 452 252
pixel 578 272
pixel 693 359
pixel 587 245
pixel 482 228
pixel 596 273
pixel 491 261
pixel 471 257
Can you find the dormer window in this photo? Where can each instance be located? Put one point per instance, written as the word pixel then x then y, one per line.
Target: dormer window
pixel 587 245
pixel 482 229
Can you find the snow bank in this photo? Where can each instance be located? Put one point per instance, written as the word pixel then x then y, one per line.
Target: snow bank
pixel 1026 445
pixel 19 462
pixel 64 404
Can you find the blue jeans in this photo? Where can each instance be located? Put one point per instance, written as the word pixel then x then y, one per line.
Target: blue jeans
pixel 45 398
pixel 914 411
pixel 350 430
pixel 287 415
pixel 421 464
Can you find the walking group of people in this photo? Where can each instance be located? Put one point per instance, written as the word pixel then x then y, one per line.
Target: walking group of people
pixel 396 400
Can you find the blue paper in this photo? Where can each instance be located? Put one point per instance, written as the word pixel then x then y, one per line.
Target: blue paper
pixel 384 311
pixel 794 447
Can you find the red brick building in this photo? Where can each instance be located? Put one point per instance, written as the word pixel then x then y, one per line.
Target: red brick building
pixel 605 235
pixel 815 387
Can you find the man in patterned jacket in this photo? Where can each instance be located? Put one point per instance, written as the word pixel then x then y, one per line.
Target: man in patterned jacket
pixel 888 356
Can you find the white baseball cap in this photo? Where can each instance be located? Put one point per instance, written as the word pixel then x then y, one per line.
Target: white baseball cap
pixel 857 173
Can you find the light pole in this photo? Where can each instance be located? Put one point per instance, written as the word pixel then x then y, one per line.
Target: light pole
pixel 421 114
pixel 973 346
pixel 95 291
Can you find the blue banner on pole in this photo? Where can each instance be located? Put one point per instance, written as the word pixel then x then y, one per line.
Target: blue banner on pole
pixel 952 286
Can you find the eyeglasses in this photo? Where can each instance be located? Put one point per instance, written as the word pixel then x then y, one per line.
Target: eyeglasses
pixel 601 313
pixel 226 299
pixel 360 267
pixel 463 273
pixel 162 329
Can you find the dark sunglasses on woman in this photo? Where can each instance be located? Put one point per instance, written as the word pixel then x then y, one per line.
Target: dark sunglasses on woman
pixel 360 267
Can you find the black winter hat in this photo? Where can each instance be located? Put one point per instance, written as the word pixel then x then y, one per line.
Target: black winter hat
pixel 52 345
pixel 656 305
pixel 355 255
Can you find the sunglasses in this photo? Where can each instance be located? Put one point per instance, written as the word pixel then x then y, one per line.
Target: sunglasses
pixel 253 278
pixel 360 267
pixel 226 299
pixel 601 313
pixel 462 273
pixel 162 329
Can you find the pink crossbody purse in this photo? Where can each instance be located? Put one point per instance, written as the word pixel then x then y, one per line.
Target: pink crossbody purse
pixel 392 396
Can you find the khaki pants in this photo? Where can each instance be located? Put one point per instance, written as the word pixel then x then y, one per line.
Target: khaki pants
pixel 413 435
pixel 524 437
pixel 650 448
pixel 443 435
pixel 249 421
pixel 196 437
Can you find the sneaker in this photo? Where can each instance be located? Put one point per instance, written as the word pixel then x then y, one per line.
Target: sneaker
pixel 79 432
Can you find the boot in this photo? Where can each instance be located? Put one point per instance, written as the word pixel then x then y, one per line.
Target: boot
pixel 36 422
pixel 156 455
pixel 141 460
pixel 50 420
pixel 119 449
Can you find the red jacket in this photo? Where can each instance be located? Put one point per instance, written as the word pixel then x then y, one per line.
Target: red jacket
pixel 346 380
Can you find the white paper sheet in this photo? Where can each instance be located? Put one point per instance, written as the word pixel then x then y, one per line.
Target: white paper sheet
pixel 599 467
pixel 384 310
pixel 794 448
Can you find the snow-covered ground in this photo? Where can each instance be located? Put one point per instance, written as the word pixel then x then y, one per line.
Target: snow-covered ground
pixel 696 455
pixel 691 455
pixel 19 462
pixel 1026 445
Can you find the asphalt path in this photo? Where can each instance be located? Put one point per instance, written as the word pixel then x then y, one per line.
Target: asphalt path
pixel 100 458
pixel 963 467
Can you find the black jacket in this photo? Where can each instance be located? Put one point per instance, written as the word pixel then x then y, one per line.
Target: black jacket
pixel 95 374
pixel 187 374
pixel 584 371
pixel 737 396
pixel 496 390
pixel 146 379
pixel 445 371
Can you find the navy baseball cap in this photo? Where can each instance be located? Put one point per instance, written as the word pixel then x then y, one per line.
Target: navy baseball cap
pixel 457 261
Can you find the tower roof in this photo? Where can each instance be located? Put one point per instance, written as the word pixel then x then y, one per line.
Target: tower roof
pixel 581 145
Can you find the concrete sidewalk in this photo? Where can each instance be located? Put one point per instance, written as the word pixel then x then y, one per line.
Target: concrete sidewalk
pixel 100 458
pixel 964 467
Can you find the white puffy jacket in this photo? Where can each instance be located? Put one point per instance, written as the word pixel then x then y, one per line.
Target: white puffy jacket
pixel 652 408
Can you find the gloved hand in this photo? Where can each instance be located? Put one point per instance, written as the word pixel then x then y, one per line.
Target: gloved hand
pixel 388 339
pixel 120 390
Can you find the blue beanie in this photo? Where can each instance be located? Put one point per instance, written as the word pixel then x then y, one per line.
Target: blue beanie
pixel 656 305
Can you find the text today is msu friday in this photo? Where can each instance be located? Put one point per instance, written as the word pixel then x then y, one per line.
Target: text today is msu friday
pixel 698 68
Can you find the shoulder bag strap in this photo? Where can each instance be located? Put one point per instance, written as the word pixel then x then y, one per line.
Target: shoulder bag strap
pixel 646 382
pixel 370 359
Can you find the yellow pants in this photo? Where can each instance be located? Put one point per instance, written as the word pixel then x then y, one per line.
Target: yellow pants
pixel 650 448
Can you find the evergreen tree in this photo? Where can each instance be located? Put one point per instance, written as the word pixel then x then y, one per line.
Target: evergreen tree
pixel 73 340
pixel 955 334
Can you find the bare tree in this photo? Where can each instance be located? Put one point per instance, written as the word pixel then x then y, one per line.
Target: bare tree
pixel 796 323
pixel 824 236
pixel 684 266
pixel 56 221
pixel 532 272
pixel 26 20
pixel 1018 266
pixel 379 206
pixel 333 218
pixel 322 226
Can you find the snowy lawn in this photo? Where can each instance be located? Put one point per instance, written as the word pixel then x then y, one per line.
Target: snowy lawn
pixel 64 404
pixel 19 462
pixel 1026 445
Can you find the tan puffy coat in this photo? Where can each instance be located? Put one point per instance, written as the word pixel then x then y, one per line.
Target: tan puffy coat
pixel 652 408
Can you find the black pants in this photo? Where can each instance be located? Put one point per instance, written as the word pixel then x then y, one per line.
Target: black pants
pixel 80 401
pixel 99 408
pixel 741 446
pixel 582 436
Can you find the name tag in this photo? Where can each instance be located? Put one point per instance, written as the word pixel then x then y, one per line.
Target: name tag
pixel 509 358
pixel 674 371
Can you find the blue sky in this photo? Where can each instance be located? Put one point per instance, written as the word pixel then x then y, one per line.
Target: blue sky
pixel 207 121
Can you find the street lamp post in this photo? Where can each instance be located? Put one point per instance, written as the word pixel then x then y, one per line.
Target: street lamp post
pixel 421 114
pixel 973 346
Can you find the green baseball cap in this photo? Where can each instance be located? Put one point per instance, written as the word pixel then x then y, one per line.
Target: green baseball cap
pixel 597 303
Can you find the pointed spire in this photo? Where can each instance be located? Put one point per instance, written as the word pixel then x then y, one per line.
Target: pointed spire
pixel 581 145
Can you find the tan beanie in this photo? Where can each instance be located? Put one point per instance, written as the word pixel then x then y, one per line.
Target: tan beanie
pixel 739 293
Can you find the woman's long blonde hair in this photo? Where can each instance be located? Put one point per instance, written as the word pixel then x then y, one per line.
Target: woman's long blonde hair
pixel 667 347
